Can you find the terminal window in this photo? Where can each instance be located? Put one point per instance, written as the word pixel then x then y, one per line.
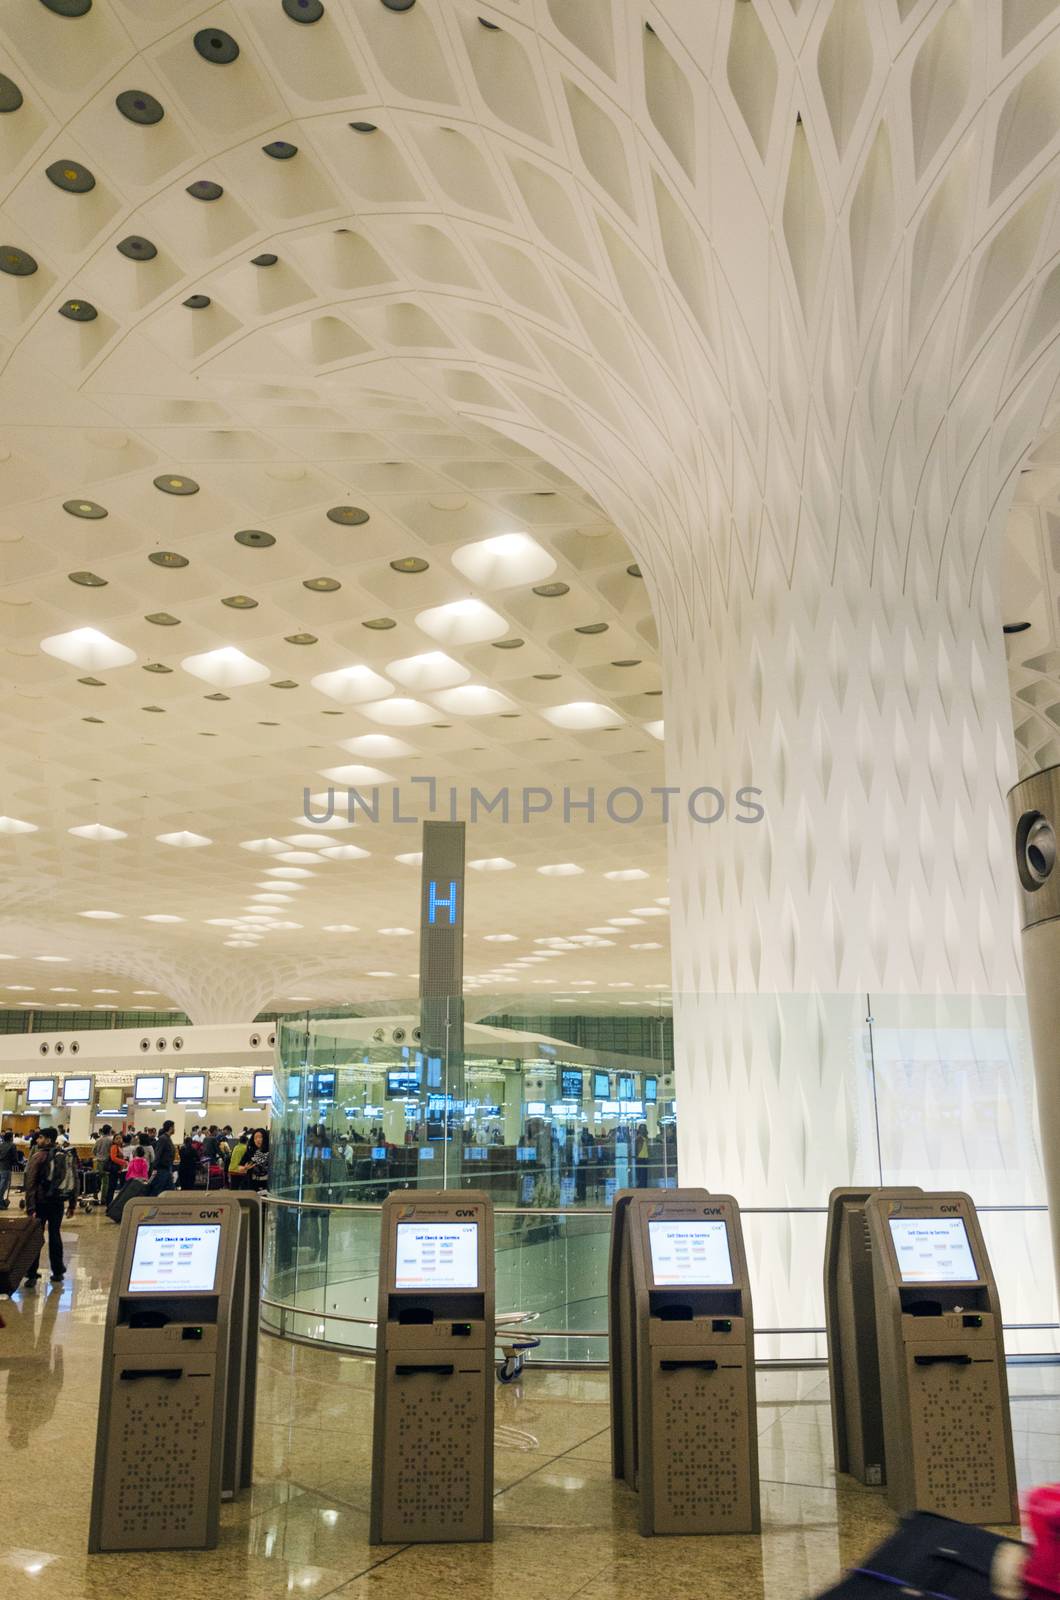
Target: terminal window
pixel 437 1255
pixel 689 1251
pixel 933 1250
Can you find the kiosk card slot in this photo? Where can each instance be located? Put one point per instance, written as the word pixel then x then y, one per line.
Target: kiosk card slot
pixel 944 1390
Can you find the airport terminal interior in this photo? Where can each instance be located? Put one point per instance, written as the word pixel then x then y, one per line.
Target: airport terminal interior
pixel 623 1152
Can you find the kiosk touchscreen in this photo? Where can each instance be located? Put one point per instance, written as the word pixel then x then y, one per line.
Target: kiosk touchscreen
pixel 166 1357
pixel 432 1447
pixel 682 1353
pixel 947 1430
pixel 850 1323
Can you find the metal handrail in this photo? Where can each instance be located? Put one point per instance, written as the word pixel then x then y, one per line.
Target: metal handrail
pixel 592 1211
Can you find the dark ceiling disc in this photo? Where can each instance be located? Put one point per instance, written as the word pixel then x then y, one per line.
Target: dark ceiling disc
pixel 205 189
pixel 240 602
pixel 68 8
pixel 138 248
pixel 280 150
pixel 399 5
pixel 348 516
pixel 139 106
pixel 303 10
pixel 71 176
pixel 634 571
pixel 508 644
pixel 10 94
pixel 85 508
pixel 551 591
pixel 321 585
pixel 409 564
pixel 363 127
pixel 175 485
pixel 379 624
pixel 162 619
pixel 88 580
pixel 197 302
pixel 494 27
pixel 255 538
pixel 300 638
pixel 78 311
pixel 266 260
pixel 18 262
pixel 213 44
pixel 167 558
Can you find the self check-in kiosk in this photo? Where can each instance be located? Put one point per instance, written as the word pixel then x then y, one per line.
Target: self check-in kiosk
pixel 168 1355
pixel 947 1431
pixel 850 1321
pixel 432 1446
pixel 682 1362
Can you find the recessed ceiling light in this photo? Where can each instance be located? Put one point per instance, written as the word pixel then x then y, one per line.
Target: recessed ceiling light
pixel 344 852
pixel 98 831
pixel 411 858
pixel 431 670
pixel 61 988
pixel 321 585
pixel 88 648
pixel 396 933
pixel 288 872
pixel 379 624
pixel 339 927
pixel 101 916
pixel 399 712
pixel 501 938
pixel 137 248
pixel 71 176
pixel 626 874
pixel 19 263
pixel 298 858
pixel 88 509
pixel 356 776
pixel 15 825
pixel 177 486
pixel 504 561
pixel 348 516
pixel 204 189
pixel 352 685
pixel 581 714
pixel 213 44
pixel 492 864
pixel 473 700
pixel 656 729
pixel 167 558
pixel 651 944
pixel 147 992
pixel 160 916
pixel 467 621
pixel 376 744
pixel 225 668
pixel 561 869
pixel 139 106
pixel 184 840
pixel 106 991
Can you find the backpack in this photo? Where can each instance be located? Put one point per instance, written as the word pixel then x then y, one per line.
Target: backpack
pixel 56 1179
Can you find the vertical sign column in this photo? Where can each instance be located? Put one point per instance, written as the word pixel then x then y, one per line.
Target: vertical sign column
pixel 442 1003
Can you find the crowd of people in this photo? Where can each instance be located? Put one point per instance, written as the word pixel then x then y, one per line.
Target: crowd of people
pixel 208 1157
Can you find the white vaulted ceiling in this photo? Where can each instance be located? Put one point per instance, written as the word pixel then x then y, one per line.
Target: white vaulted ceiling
pixel 518 270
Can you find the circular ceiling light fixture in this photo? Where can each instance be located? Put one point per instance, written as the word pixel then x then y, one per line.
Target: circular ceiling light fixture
pixel 204 189
pixel 156 666
pixel 363 127
pixel 280 149
pixel 71 176
pixel 303 10
pixel 139 106
pixel 162 619
pixel 19 263
pixel 213 44
pixel 167 558
pixel 68 8
pixel 630 663
pixel 240 602
pixel 1015 627
pixel 399 5
pixel 88 580
pixel 197 302
pixel 254 538
pixel 137 248
pixel 634 571
pixel 409 564
pixel 300 638
pixel 508 644
pixel 348 516
pixel 88 509
pixel 321 585
pixel 266 260
pixel 592 627
pixel 78 311
pixel 551 591
pixel 10 94
pixel 379 624
pixel 170 485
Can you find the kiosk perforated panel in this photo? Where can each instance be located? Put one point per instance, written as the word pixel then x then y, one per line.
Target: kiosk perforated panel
pixel 158 1495
pixel 434 1475
pixel 956 1417
pixel 700 1438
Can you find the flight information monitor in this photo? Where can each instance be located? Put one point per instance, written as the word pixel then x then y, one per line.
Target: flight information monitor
pixel 77 1091
pixel 150 1090
pixel 262 1089
pixel 571 1081
pixel 933 1250
pixel 401 1083
pixel 625 1086
pixel 189 1089
pixel 40 1092
pixel 651 1089
pixel 175 1258
pixel 437 1255
pixel 689 1251
pixel 601 1085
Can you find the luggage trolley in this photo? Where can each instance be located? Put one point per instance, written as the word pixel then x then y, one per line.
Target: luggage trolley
pixel 515 1346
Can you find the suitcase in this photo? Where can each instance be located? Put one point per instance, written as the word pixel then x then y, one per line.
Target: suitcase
pixel 128 1191
pixel 928 1555
pixel 21 1239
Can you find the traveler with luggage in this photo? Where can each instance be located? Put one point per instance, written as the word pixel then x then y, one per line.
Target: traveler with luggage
pixel 165 1155
pixel 256 1161
pixel 137 1167
pixel 101 1160
pixel 188 1163
pixel 51 1188
pixel 116 1164
pixel 237 1172
pixel 8 1163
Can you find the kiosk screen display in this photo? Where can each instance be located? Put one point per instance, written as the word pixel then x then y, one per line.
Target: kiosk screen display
pixel 189 1089
pixel 77 1091
pixel 570 1083
pixel 933 1250
pixel 175 1258
pixel 150 1091
pixel 437 1255
pixel 40 1091
pixel 689 1251
pixel 601 1085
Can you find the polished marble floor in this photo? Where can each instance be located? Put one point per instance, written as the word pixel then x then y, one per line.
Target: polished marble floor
pixel 563 1527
